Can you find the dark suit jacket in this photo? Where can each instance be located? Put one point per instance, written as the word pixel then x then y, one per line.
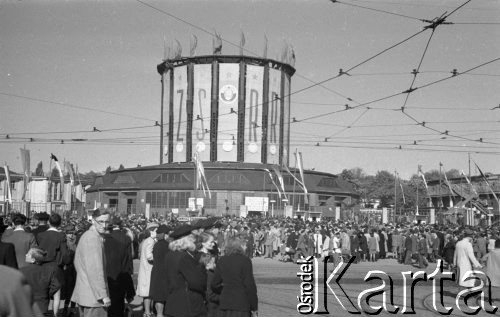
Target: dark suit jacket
pixel 8 255
pixel 125 241
pixel 54 243
pixel 44 281
pixel 157 289
pixel 234 280
pixel 22 242
pixel 186 284
pixel 118 259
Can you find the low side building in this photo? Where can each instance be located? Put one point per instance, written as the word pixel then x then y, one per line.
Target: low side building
pixel 235 189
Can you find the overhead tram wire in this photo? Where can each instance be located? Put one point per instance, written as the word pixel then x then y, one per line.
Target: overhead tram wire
pixel 329 145
pixel 357 65
pixel 417 70
pixel 399 3
pixel 376 10
pixel 476 23
pixel 65 104
pixel 369 145
pixel 83 131
pixel 232 43
pixel 308 87
pixel 454 75
pixel 400 93
pixel 349 126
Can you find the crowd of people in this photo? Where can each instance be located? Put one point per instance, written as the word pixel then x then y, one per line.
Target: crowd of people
pixel 87 264
pixel 203 268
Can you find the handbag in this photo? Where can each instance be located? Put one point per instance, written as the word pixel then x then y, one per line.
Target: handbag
pixel 128 311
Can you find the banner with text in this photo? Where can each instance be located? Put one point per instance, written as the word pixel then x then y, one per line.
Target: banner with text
pixel 253 108
pixel 228 112
pixel 201 110
pixel 180 113
pixel 273 123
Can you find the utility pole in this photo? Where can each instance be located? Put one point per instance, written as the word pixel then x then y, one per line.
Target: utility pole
pixel 418 181
pixel 440 197
pixel 468 154
pixel 395 194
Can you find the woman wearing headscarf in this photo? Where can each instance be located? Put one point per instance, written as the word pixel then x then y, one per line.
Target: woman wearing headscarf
pixel 234 280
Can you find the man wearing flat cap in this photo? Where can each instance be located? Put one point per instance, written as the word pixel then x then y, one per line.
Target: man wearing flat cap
pixel 464 259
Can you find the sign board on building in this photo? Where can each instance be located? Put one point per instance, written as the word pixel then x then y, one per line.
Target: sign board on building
pixel 147 211
pixel 243 211
pixel 199 203
pixel 175 211
pixel 257 203
pixel 289 211
pixel 385 218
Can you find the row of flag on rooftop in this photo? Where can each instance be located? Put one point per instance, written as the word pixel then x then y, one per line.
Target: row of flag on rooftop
pixel 174 50
pixel 447 182
pixel 67 167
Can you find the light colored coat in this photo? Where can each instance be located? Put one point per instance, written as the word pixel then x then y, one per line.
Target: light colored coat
pixel 91 283
pixel 493 267
pixel 464 259
pixel 145 267
pixel 318 243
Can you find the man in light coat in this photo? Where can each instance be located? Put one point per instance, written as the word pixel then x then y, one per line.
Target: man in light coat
pixel 91 288
pixel 464 259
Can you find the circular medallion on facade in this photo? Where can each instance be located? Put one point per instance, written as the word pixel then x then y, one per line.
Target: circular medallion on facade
pixel 179 147
pixel 228 93
pixel 227 146
pixel 253 148
pixel 200 147
pixel 272 149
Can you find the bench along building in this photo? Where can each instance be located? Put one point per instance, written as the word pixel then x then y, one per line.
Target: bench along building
pixel 233 112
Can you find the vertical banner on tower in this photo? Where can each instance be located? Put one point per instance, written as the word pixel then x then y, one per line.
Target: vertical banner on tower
pixel 253 108
pixel 201 110
pixel 286 122
pixel 228 112
pixel 180 116
pixel 273 128
pixel 166 114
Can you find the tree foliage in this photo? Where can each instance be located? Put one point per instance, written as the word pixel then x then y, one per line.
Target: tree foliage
pixel 385 188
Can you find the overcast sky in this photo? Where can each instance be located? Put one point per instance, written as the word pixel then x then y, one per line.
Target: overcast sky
pixel 70 66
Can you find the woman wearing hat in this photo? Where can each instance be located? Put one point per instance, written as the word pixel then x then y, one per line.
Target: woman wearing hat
pixel 186 278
